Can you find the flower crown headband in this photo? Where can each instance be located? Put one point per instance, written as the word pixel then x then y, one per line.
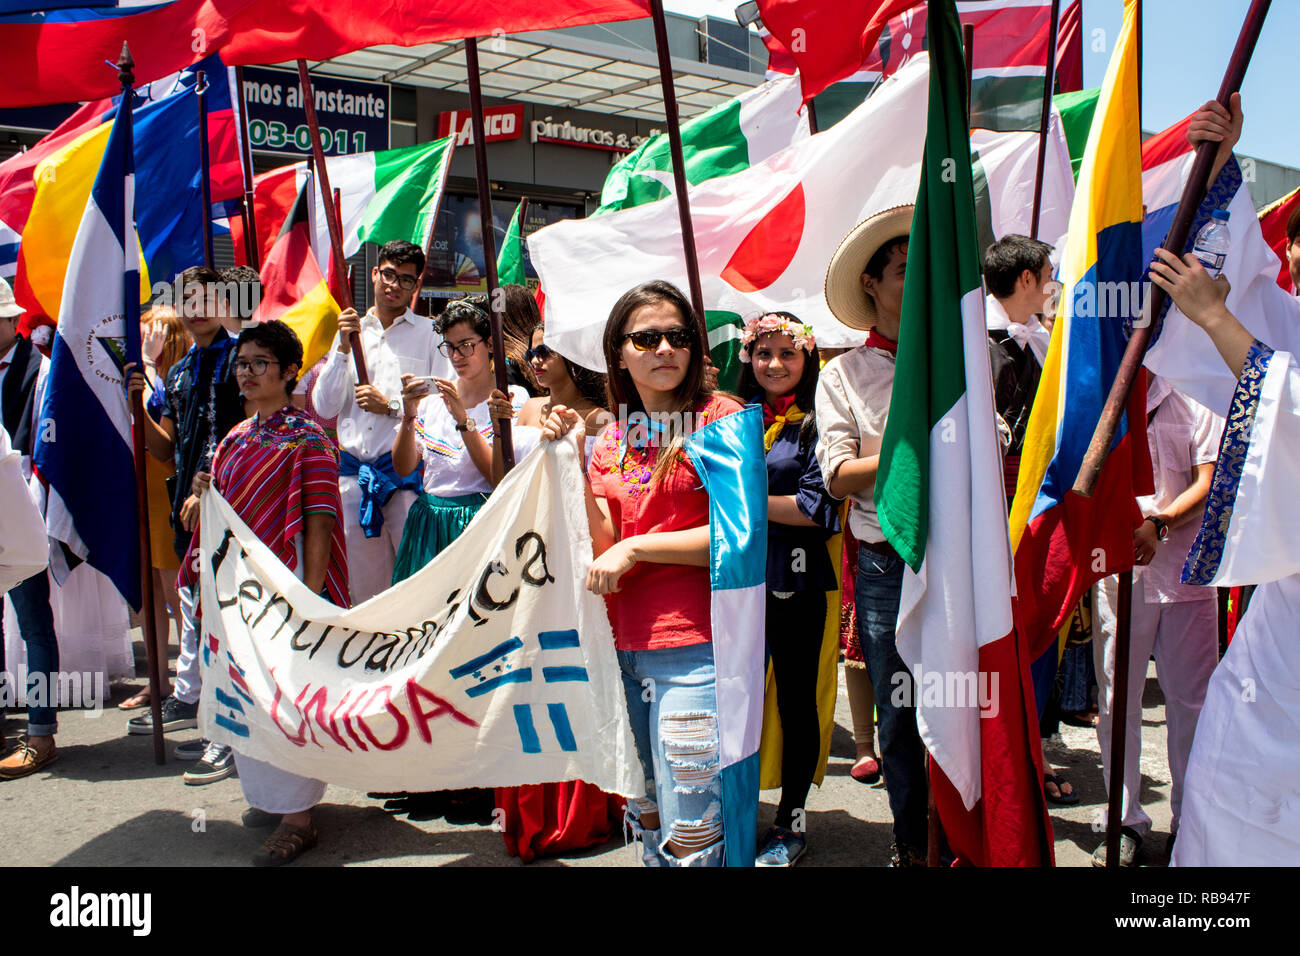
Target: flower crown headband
pixel 755 328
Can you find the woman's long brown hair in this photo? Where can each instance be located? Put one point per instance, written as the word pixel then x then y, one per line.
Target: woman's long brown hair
pixel 624 399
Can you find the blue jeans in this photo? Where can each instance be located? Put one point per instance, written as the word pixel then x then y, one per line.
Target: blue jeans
pixel 672 706
pixel 902 754
pixel 31 600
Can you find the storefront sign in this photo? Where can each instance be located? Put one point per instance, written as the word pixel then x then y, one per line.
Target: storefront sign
pixel 591 137
pixel 499 123
pixel 353 115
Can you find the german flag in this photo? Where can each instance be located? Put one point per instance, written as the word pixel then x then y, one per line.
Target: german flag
pixel 294 289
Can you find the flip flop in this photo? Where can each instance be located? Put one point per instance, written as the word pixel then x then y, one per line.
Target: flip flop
pixel 136 701
pixel 1062 799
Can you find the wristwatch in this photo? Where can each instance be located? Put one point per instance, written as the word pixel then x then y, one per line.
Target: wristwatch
pixel 395 407
pixel 466 425
pixel 1162 527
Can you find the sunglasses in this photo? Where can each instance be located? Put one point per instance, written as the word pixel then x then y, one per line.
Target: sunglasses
pixel 648 339
pixel 539 354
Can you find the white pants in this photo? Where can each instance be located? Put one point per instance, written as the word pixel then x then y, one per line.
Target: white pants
pixel 370 560
pixel 270 789
pixel 1184 637
pixel 189 676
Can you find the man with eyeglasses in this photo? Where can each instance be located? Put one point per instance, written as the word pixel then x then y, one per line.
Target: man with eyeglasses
pixel 395 341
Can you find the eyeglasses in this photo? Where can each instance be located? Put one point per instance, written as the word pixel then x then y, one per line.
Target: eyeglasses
pixel 647 340
pixel 252 366
pixel 464 348
pixel 539 354
pixel 392 275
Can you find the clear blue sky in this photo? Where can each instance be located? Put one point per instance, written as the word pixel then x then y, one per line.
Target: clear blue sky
pixel 1186 46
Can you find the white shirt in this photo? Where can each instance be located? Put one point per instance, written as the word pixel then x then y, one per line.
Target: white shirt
pixel 449 471
pixel 408 346
pixel 38 400
pixel 1033 333
pixel 1181 435
pixel 852 405
pixel 23 545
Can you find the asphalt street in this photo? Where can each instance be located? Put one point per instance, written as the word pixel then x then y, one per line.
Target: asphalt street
pixel 106 803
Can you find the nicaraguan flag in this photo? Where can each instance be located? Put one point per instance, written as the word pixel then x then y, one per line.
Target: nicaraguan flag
pixel 83 446
pixel 728 456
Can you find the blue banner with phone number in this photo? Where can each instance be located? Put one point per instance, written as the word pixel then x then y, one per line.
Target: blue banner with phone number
pixel 353 114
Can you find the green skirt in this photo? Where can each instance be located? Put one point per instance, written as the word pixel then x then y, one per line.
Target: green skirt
pixel 431 525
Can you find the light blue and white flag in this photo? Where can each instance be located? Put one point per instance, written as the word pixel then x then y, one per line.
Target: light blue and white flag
pixel 83 444
pixel 728 456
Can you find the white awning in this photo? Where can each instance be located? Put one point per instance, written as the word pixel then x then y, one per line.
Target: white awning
pixel 552 68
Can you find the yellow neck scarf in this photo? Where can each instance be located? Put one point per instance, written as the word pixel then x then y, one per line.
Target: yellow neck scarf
pixel 792 416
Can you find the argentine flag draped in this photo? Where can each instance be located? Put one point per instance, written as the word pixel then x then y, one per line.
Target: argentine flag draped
pixel 83 446
pixel 728 457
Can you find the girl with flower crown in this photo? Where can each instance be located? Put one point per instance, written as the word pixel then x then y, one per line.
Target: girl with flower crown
pixel 780 369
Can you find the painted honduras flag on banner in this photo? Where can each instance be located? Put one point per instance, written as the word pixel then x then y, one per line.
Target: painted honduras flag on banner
pixel 728 457
pixel 83 447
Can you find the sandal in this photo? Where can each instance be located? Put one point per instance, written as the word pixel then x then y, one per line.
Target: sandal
pixel 136 701
pixel 285 845
pixel 866 769
pixel 1085 719
pixel 1062 799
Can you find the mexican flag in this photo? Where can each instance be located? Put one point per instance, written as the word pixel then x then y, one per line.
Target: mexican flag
pixel 390 194
pixel 510 260
pixel 940 498
pixel 730 137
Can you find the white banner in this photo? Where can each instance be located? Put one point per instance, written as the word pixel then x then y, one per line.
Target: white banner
pixel 493 666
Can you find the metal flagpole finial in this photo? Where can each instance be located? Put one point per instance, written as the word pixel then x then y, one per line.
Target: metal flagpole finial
pixel 126 67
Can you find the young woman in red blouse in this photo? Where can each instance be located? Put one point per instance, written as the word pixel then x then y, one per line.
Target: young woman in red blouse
pixel 649 517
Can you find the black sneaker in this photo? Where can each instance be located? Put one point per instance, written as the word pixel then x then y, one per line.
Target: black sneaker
pixel 217 764
pixel 192 749
pixel 176 715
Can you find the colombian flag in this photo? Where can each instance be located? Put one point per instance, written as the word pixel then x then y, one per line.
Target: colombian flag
pixel 43 191
pixel 1063 542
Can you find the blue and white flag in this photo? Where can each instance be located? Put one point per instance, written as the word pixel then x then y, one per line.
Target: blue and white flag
pixel 728 456
pixel 83 445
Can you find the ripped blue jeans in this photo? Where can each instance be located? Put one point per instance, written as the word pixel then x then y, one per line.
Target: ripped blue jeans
pixel 672 706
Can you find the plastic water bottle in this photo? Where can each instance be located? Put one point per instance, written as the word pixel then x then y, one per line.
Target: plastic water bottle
pixel 1213 242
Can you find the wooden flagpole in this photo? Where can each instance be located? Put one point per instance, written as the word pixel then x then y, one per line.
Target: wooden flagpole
pixel 130 295
pixel 496 304
pixel 1193 193
pixel 1045 119
pixel 252 250
pixel 673 123
pixel 205 177
pixel 331 219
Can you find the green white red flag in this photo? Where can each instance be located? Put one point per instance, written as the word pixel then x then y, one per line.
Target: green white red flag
pixel 941 503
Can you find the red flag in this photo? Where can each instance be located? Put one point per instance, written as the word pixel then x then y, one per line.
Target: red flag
pixel 294 289
pixel 828 41
pixel 1069 49
pixel 1273 220
pixel 57 56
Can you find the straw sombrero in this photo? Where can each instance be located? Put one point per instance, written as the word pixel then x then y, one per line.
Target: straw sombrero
pixel 844 294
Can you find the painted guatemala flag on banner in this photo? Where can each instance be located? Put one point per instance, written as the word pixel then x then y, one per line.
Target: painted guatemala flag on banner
pixel 83 447
pixel 728 457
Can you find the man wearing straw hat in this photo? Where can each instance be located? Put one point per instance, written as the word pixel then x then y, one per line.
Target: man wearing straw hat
pixel 864 290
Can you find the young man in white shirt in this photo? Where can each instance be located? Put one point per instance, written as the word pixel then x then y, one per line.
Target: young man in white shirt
pixel 23 373
pixel 1177 622
pixel 864 290
pixel 395 341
